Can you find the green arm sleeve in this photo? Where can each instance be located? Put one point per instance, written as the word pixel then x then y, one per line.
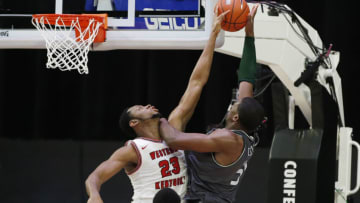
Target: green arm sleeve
pixel 247 69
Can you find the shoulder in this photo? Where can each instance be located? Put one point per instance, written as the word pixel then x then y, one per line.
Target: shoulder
pixel 126 153
pixel 227 138
pixel 225 133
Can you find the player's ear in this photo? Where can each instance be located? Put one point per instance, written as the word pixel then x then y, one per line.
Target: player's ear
pixel 235 117
pixel 133 122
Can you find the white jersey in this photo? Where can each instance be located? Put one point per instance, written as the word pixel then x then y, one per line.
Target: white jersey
pixel 158 167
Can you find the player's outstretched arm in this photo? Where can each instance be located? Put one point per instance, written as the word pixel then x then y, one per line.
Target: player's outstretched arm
pixel 247 68
pixel 221 140
pixel 118 160
pixel 180 116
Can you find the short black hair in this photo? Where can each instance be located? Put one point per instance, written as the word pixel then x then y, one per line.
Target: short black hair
pixel 166 195
pixel 251 113
pixel 125 118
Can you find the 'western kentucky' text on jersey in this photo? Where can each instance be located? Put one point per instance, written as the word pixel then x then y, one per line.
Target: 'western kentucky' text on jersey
pixel 158 167
pixel 212 182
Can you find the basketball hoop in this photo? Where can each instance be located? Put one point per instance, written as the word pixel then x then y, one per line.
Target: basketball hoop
pixel 68 38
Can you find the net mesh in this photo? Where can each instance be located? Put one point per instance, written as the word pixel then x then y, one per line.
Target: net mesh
pixel 65 49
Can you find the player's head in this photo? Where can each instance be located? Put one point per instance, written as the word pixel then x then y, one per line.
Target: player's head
pixel 136 116
pixel 166 195
pixel 248 113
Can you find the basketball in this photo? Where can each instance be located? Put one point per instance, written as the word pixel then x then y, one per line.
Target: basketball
pixel 236 19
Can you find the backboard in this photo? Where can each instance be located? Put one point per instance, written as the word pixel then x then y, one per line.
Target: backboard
pixel 133 24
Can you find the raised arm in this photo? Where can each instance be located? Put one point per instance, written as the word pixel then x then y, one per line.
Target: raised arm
pixel 221 140
pixel 119 159
pixel 247 68
pixel 180 116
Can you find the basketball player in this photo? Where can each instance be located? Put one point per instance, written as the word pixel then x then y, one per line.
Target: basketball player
pixel 150 164
pixel 216 162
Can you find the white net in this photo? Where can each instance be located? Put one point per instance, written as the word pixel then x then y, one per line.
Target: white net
pixel 65 50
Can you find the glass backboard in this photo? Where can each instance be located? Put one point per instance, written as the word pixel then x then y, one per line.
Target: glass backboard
pixel 132 24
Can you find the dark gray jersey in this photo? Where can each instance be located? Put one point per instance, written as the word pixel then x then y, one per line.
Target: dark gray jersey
pixel 210 181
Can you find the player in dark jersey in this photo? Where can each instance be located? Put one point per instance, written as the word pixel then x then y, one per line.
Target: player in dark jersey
pixel 217 161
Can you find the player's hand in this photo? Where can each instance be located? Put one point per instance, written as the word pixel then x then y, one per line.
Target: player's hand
pixel 163 122
pixel 95 200
pixel 166 130
pixel 218 19
pixel 249 28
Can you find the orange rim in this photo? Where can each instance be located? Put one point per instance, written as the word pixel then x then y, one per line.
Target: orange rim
pixel 84 20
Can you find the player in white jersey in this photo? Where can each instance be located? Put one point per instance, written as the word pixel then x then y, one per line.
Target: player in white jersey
pixel 164 168
pixel 148 161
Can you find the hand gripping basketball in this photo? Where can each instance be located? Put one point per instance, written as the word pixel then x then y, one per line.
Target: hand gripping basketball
pixel 236 19
pixel 249 29
pixel 218 19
